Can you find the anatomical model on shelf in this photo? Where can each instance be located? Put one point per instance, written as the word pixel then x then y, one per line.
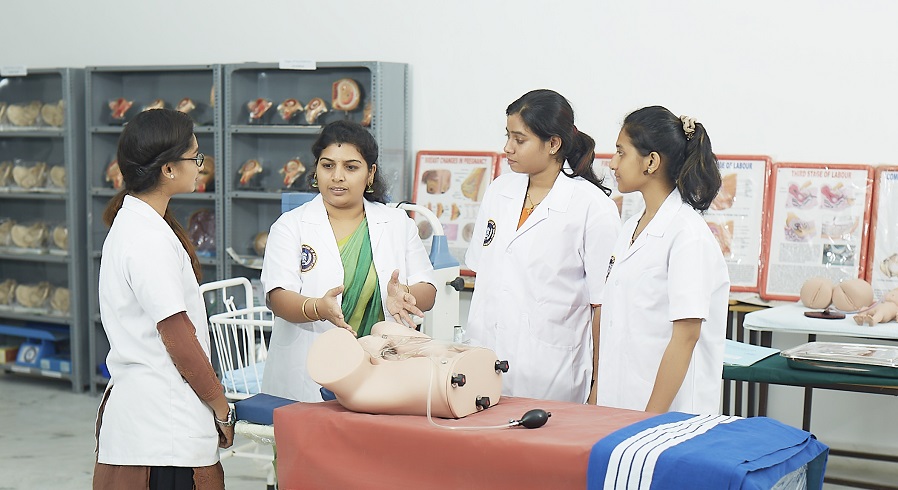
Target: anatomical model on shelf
pixel 23 114
pixel 367 114
pixel 185 105
pixel 291 171
pixel 60 300
pixel 58 176
pixel 156 104
pixel 30 177
pixel 314 109
pixel 259 243
pixel 257 110
pixel 33 295
pixel 29 236
pixel 53 114
pixel 7 291
pixel 289 109
pixel 114 175
pixel 60 237
pixel 248 172
pixel 201 231
pixel 119 108
pixel 346 95
pixel 5 173
pixel 6 225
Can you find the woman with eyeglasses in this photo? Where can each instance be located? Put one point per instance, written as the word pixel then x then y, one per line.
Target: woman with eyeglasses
pixel 164 414
pixel 342 260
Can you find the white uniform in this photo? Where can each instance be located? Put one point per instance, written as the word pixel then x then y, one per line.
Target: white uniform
pixel 535 285
pixel 153 417
pixel 673 271
pixel 302 256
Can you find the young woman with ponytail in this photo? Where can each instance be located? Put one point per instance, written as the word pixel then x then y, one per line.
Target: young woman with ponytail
pixel 541 245
pixel 154 430
pixel 664 317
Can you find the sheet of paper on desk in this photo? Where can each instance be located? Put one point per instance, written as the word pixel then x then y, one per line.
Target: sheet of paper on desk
pixel 740 354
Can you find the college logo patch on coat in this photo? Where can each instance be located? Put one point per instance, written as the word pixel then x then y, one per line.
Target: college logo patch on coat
pixel 308 259
pixel 490 233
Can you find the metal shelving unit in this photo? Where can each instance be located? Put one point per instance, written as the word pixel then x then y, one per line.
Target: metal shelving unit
pixel 60 206
pixel 251 209
pixel 143 85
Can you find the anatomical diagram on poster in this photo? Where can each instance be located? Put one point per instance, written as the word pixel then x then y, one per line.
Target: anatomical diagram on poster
pixel 817 225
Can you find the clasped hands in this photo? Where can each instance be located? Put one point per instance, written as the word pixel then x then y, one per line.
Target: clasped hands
pixel 400 303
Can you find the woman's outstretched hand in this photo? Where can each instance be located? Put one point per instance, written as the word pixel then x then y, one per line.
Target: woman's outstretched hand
pixel 401 304
pixel 329 308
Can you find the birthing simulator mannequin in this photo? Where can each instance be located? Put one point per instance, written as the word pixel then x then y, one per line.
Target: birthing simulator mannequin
pixel 392 370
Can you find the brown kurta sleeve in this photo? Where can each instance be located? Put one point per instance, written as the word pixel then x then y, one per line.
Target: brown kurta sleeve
pixel 178 335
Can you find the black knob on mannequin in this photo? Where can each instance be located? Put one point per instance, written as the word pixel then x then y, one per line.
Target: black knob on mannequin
pixel 482 403
pixel 502 366
pixel 458 380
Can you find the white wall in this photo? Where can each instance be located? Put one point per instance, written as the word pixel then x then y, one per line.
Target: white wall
pixel 800 80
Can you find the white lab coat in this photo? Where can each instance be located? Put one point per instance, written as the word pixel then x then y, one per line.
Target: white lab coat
pixel 673 271
pixel 394 244
pixel 536 285
pixel 152 417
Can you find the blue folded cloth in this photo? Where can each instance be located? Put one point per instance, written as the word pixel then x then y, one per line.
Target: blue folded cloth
pixel 678 450
pixel 259 409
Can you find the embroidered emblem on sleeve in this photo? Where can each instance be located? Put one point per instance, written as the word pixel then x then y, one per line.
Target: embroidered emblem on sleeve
pixel 490 233
pixel 309 258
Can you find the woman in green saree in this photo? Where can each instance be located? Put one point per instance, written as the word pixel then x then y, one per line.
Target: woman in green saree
pixel 342 260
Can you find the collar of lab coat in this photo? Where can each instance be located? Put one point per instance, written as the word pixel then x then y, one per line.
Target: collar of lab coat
pixel 659 224
pixel 557 199
pixel 140 207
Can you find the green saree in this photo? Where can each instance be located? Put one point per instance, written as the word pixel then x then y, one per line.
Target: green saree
pixel 361 291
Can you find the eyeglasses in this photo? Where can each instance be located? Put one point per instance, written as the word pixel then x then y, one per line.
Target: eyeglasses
pixel 198 159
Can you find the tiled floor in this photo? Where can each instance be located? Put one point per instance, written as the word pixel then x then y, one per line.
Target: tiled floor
pixel 46 441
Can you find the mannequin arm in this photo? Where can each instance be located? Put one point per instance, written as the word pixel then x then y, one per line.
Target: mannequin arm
pixel 674 364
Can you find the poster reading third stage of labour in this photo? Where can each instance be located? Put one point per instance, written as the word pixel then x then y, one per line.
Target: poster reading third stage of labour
pixel 816 225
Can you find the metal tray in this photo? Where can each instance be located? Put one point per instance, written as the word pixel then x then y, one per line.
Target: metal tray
pixel 847 358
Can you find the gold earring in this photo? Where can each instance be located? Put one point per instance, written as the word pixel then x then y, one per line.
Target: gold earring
pixel 370 189
pixel 314 181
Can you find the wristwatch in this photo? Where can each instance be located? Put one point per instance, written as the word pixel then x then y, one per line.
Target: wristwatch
pixel 230 421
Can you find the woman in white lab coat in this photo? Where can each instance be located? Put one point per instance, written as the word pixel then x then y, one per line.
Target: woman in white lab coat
pixel 342 260
pixel 664 317
pixel 547 231
pixel 164 414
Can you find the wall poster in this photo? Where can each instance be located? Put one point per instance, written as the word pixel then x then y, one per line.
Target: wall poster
pixel 452 184
pixel 817 220
pixel 882 270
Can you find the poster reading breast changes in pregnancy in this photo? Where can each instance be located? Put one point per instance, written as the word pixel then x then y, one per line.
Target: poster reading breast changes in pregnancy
pixel 882 271
pixel 816 225
pixel 452 184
